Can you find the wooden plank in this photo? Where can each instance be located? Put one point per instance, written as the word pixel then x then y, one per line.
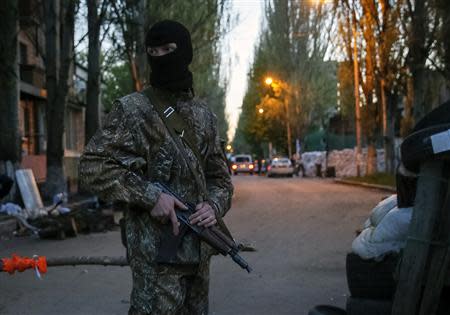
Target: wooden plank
pixel 440 260
pixel 28 190
pixel 427 204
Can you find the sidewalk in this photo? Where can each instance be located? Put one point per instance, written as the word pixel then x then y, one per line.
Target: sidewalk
pixel 367 185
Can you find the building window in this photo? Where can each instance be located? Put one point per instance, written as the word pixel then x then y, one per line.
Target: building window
pixel 74 129
pixel 27 127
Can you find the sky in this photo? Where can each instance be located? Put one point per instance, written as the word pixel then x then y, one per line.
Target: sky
pixel 240 50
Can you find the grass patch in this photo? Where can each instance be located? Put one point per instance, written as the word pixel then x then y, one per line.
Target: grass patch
pixel 384 179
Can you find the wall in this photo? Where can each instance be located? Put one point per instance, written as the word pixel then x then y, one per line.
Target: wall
pixel 344 162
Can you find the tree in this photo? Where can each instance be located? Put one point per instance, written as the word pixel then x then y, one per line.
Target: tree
pixel 59 33
pixel 348 29
pixel 9 93
pixel 292 48
pixel 118 83
pixel 95 20
pixel 420 32
pixel 442 44
pixel 130 21
pixel 444 51
pixel 379 63
pixel 390 64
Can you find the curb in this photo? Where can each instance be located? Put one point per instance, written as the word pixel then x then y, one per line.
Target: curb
pixel 366 185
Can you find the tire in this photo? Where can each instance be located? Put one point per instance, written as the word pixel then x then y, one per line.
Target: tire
pixel 444 305
pixel 326 310
pixel 417 147
pixel 356 306
pixel 370 279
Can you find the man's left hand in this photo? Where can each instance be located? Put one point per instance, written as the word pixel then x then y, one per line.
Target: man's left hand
pixel 204 215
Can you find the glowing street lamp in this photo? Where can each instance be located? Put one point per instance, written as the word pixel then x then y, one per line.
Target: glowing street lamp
pixel 269 81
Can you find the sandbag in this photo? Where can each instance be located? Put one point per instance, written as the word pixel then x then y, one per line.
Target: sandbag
pixel 389 236
pixel 380 210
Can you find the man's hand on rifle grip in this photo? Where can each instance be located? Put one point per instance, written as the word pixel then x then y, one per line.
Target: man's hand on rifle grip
pixel 164 210
pixel 204 215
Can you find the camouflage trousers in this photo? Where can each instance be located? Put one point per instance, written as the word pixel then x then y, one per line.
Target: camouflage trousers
pixel 170 289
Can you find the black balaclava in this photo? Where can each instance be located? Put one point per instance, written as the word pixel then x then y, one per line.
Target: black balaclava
pixel 170 71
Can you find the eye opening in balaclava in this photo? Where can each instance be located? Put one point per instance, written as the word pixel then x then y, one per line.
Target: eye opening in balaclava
pixel 170 71
pixel 161 50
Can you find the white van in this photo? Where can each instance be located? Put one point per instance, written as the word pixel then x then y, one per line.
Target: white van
pixel 242 163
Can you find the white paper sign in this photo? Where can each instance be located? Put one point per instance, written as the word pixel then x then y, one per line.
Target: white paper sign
pixel 441 142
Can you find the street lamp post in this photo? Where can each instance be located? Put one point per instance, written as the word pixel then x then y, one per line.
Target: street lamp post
pixel 282 86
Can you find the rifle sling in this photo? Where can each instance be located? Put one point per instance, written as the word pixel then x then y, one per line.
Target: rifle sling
pixel 178 131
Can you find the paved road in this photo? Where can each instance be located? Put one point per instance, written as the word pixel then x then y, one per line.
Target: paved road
pixel 302 229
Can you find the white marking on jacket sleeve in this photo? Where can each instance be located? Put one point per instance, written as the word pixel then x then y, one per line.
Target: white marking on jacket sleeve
pixel 441 142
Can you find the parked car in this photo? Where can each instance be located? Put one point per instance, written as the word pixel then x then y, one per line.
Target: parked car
pixel 280 167
pixel 242 163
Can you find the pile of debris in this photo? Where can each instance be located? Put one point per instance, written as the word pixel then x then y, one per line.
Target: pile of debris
pixel 58 220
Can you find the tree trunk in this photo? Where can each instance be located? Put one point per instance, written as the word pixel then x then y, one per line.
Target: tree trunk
pixel 371 167
pixel 92 120
pixel 388 110
pixel 390 145
pixel 371 121
pixel 444 7
pixel 55 123
pixel 417 57
pixel 357 100
pixel 141 53
pixel 9 82
pixel 407 122
pixel 59 64
pixel 137 84
pixel 133 32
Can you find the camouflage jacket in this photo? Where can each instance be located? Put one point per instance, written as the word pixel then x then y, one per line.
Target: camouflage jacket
pixel 134 149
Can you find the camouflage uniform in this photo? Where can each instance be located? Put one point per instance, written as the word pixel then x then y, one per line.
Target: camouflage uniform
pixel 134 149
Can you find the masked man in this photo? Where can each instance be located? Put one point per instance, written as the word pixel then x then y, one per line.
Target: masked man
pixel 137 147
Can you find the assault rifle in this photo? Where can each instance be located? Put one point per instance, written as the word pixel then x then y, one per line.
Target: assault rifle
pixel 213 236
